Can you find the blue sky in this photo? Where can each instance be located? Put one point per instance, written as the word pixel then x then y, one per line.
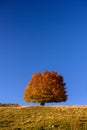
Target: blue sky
pixel 39 35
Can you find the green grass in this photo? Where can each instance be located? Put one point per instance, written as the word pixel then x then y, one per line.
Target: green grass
pixel 43 118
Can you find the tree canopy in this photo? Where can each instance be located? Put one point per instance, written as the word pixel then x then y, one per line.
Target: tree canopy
pixel 45 87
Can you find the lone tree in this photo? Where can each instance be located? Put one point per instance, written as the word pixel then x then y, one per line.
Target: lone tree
pixel 45 87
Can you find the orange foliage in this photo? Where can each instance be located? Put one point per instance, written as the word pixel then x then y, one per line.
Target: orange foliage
pixel 45 87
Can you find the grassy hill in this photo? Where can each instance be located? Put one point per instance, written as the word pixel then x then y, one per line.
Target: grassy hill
pixel 43 118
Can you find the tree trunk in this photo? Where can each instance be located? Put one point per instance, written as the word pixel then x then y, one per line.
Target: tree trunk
pixel 42 103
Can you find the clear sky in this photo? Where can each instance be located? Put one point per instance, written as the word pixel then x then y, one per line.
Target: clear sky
pixel 39 35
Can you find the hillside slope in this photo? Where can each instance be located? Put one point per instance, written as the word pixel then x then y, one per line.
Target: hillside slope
pixel 43 118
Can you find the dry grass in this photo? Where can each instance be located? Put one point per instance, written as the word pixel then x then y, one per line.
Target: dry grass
pixel 43 118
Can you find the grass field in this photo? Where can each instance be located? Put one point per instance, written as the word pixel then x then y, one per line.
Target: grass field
pixel 43 118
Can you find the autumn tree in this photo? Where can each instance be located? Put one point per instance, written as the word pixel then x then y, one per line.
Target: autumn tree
pixel 45 87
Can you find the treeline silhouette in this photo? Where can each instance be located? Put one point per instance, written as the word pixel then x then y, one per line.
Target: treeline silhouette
pixel 9 105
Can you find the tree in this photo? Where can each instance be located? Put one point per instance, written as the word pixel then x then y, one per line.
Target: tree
pixel 45 87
